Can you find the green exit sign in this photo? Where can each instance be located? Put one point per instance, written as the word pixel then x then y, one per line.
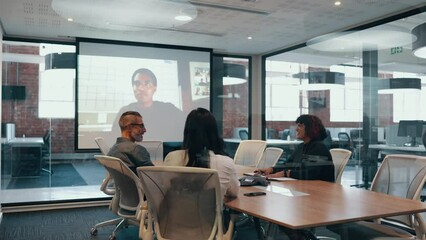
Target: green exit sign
pixel 395 50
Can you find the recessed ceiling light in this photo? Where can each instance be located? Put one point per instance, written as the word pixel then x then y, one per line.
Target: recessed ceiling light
pixel 183 18
pixel 249 38
pixel 70 19
pixel 337 3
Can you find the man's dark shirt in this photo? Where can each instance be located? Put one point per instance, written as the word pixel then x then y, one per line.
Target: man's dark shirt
pixel 134 155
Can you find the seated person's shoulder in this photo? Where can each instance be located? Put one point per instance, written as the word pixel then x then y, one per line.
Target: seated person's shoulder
pixel 176 158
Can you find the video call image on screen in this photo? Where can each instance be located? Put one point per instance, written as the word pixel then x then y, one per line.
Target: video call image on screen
pixel 106 90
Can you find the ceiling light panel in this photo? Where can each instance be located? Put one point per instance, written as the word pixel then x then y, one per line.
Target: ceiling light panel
pixel 128 15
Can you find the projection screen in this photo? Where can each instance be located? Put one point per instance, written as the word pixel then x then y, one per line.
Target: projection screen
pixel 105 89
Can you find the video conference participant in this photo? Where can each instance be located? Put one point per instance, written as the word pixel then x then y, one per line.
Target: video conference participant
pixel 203 147
pixel 312 132
pixel 132 130
pixel 164 120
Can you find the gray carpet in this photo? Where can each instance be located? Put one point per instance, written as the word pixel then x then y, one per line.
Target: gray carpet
pixel 75 224
pixel 66 224
pixel 64 174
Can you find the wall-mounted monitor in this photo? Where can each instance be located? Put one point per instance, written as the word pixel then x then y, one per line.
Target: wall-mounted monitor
pixel 13 92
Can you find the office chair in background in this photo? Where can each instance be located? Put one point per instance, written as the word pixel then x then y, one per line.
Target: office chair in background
pixel 344 141
pixel 402 176
pixel 286 134
pixel 46 153
pixel 270 157
pixel 249 152
pixel 132 208
pixel 108 188
pixel 243 134
pixel 340 159
pixel 155 149
pixel 328 140
pixel 185 202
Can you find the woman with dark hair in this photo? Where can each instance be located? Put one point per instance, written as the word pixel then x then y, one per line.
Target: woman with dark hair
pixel 311 160
pixel 203 147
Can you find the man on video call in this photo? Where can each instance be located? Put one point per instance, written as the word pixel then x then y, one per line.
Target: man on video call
pixel 164 120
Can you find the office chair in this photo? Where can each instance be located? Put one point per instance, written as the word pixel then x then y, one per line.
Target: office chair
pixel 249 152
pixel 108 188
pixel 328 140
pixel 131 206
pixel 402 176
pixel 286 133
pixel 340 159
pixel 155 149
pixel 243 134
pixel 270 157
pixel 344 141
pixel 185 202
pixel 45 152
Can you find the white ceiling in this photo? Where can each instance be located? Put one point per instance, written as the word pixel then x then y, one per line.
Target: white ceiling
pixel 223 25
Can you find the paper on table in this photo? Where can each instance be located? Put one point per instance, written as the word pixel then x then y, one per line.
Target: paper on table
pixel 271 179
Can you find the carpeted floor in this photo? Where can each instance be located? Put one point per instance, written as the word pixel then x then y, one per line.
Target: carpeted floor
pixel 75 224
pixel 66 224
pixel 64 174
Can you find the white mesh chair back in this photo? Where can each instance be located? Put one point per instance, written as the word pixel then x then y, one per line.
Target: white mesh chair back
pixel 103 146
pixel 155 149
pixel 249 152
pixel 132 205
pixel 186 202
pixel 340 159
pixel 107 185
pixel 126 183
pixel 402 176
pixel 270 157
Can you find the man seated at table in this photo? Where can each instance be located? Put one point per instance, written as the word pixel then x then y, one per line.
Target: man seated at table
pixel 311 160
pixel 132 130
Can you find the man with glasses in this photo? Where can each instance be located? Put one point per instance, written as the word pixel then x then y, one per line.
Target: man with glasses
pixel 132 130
pixel 157 114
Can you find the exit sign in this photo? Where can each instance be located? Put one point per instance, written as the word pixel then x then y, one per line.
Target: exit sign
pixel 395 50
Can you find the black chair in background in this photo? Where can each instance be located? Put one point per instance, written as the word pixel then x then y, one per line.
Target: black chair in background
pixel 356 137
pixel 344 141
pixel 286 133
pixel 45 152
pixel 328 140
pixel 243 134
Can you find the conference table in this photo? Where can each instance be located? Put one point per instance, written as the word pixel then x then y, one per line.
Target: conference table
pixel 304 204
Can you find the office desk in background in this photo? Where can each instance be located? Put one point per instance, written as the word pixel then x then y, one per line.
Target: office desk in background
pixel 305 204
pixel 22 156
pixel 413 150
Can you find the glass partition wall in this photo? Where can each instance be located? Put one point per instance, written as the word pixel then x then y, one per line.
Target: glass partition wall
pixel 38 161
pixel 362 84
pixel 230 98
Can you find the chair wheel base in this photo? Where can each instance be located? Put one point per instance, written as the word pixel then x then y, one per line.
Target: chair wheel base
pixel 93 231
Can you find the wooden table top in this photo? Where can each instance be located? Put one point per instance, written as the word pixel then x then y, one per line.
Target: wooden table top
pixel 319 204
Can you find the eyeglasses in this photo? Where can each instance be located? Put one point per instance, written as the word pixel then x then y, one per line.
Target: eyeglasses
pixel 145 84
pixel 137 125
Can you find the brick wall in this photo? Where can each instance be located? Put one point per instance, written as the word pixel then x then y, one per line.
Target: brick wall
pixel 24 113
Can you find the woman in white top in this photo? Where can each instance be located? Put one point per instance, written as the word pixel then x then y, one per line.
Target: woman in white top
pixel 203 147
